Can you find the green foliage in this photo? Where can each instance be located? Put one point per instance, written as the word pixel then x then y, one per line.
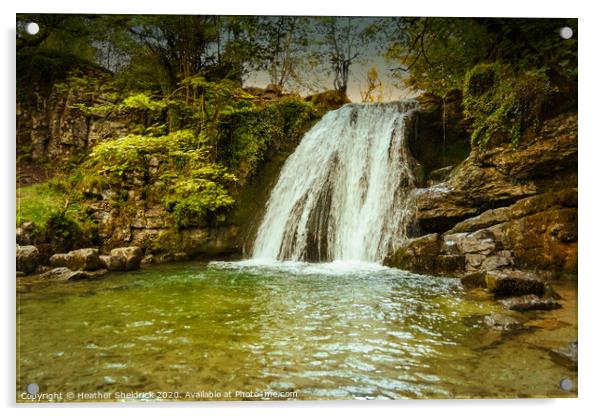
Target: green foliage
pixel 434 53
pixel 143 101
pixel 55 214
pixel 44 68
pixel 195 197
pixel 247 134
pixel 501 104
pixel 37 203
pixel 193 185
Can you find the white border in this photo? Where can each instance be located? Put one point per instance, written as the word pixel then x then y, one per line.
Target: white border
pixel 590 152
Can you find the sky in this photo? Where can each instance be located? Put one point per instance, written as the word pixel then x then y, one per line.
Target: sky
pixel 392 88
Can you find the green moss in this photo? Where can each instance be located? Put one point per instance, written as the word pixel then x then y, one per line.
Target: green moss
pixel 246 135
pixel 502 104
pixel 37 203
pixel 57 218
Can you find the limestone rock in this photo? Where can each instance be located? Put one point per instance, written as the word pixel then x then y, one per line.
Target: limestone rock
pixel 484 220
pixel 28 258
pixel 132 256
pixel 418 255
pixel 449 264
pixel 498 260
pixel 24 234
pixel 480 242
pixel 113 263
pixel 513 283
pixel 474 280
pixel 498 177
pixel 59 260
pixel 84 259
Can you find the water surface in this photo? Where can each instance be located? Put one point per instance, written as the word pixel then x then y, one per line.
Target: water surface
pixel 330 331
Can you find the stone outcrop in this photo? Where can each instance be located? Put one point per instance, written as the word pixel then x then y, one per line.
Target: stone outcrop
pixel 501 209
pixel 28 259
pixel 51 124
pixel 500 176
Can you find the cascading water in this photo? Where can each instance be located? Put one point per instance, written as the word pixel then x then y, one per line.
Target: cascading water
pixel 342 195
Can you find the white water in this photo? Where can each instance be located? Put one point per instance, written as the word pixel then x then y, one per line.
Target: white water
pixel 341 196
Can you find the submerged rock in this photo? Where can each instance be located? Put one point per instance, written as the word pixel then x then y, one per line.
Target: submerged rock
pixel 64 273
pixel 502 322
pixel 513 283
pixel 566 356
pixel 28 258
pixel 529 302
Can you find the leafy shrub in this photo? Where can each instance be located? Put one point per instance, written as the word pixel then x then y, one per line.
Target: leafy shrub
pixel 194 185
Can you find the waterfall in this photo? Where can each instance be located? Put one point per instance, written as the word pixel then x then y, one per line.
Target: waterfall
pixel 342 195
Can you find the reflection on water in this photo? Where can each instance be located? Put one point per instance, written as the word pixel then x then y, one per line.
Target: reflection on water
pixel 337 330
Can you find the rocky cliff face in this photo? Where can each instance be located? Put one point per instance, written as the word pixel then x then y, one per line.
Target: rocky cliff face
pixel 502 208
pixel 56 128
pixel 51 126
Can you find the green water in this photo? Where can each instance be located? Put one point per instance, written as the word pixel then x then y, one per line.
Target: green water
pixel 299 331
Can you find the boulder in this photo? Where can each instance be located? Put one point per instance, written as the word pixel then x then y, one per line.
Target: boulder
pixel 59 260
pixel 84 259
pixel 28 258
pixel 417 255
pixel 529 302
pixel 24 233
pixel 513 283
pixel 113 263
pixel 132 256
pixel 473 280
